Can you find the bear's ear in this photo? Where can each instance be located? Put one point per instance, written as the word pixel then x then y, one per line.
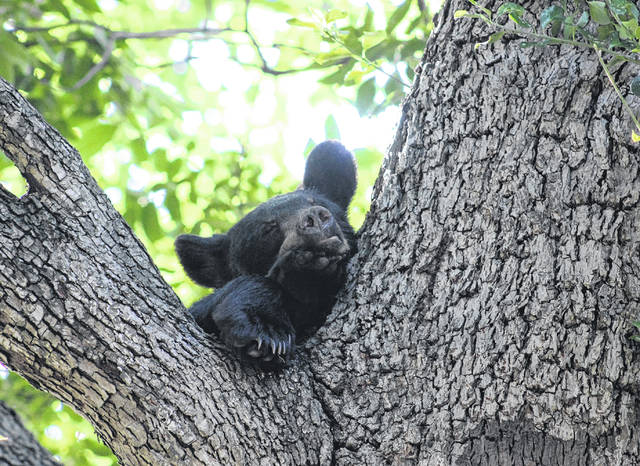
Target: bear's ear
pixel 331 170
pixel 205 259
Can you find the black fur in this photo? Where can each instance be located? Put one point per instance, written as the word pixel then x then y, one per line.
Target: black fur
pixel 278 269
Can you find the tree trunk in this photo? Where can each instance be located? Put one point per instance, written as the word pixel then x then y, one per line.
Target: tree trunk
pixel 18 446
pixel 487 316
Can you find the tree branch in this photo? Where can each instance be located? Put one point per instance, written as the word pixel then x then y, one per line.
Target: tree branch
pixel 87 317
pixel 18 445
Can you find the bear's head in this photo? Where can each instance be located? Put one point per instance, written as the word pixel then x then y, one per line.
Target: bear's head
pixel 314 217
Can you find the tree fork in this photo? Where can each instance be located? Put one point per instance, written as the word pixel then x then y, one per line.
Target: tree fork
pixel 86 316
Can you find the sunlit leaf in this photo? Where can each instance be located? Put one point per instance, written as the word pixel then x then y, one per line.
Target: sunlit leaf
pixel 370 39
pixel 398 15
pixel 365 95
pixel 334 15
pixel 304 24
pixel 331 130
pixel 309 147
pixel 94 138
pixel 598 12
pixel 510 8
pixel 150 222
pixel 550 15
pixel 635 86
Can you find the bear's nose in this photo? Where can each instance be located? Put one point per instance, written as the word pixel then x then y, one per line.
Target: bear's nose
pixel 316 218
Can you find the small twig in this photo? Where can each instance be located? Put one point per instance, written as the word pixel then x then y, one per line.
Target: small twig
pixel 186 60
pixel 558 40
pixel 106 55
pixel 265 66
pixel 123 35
pixel 361 57
pixel 615 87
pixel 266 69
pixel 114 36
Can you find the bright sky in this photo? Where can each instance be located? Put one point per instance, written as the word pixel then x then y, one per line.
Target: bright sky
pixel 304 120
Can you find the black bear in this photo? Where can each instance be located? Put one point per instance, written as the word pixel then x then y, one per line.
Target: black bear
pixel 278 269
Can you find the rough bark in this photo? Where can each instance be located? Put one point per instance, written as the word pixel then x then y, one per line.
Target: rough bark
pixel 486 320
pixel 20 447
pixel 489 314
pixel 86 316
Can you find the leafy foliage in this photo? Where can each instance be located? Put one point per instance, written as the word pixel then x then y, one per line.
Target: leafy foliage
pixel 175 105
pixel 610 27
pixel 60 430
pixel 358 50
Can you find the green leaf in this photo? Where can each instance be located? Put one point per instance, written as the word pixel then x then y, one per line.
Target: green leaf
pixel 331 130
pixel 583 20
pixel 150 222
pixel 628 32
pixel 527 44
pixel 635 137
pixel 89 5
pixel 460 14
pixel 338 76
pixel 510 8
pixel 57 5
pixel 495 37
pixel 94 138
pixel 334 15
pixel 599 13
pixel 252 93
pixel 550 15
pixel 519 20
pixel 304 24
pixel 635 86
pixel 368 19
pixel 309 147
pixel 355 76
pixel 173 205
pixel 607 32
pixel 619 7
pixel 13 53
pixel 486 11
pixel 353 44
pixel 370 39
pixel 365 95
pixel 334 55
pixel 397 16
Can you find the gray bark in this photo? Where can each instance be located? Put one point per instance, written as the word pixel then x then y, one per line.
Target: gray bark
pixel 489 312
pixel 20 447
pixel 86 316
pixel 486 319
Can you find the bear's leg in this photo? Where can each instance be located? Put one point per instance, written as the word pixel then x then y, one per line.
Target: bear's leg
pixel 248 314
